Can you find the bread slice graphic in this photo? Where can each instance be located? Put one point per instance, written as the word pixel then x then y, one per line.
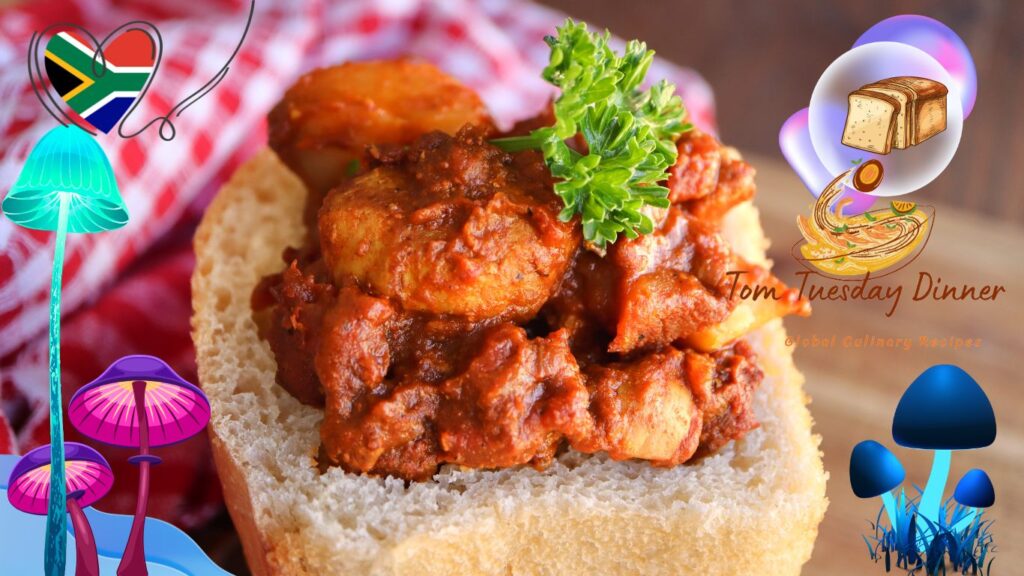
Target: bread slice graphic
pixel 929 110
pixel 920 113
pixel 871 121
pixel 904 116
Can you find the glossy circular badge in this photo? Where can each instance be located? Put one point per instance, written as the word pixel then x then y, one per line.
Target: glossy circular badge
pixel 864 98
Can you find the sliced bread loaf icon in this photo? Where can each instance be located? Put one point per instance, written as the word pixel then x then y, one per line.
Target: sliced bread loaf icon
pixel 871 121
pixel 920 113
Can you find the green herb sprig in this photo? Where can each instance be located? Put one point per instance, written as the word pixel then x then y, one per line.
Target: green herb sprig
pixel 630 134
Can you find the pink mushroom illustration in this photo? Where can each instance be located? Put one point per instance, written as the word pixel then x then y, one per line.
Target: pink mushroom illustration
pixel 139 402
pixel 87 477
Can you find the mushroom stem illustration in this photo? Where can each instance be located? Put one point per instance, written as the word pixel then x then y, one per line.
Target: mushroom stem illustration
pixel 56 528
pixel 875 471
pixel 89 478
pixel 889 502
pixel 139 402
pixel 87 562
pixel 942 410
pixel 66 186
pixel 931 498
pixel 134 559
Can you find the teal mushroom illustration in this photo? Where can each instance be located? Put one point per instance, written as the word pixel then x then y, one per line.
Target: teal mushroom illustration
pixel 942 410
pixel 875 471
pixel 66 185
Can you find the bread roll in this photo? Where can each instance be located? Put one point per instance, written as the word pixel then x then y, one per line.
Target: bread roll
pixel 752 508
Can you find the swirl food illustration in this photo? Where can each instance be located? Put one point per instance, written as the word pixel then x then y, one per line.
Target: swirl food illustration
pixel 869 242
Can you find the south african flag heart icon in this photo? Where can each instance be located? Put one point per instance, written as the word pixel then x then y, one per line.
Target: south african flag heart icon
pixel 101 84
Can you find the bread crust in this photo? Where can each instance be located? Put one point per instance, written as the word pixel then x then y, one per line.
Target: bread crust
pixel 752 508
pixel 240 507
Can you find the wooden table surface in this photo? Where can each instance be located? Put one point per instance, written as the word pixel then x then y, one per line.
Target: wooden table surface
pixel 856 391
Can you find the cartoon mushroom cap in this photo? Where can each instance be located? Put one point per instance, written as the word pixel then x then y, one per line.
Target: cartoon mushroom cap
pixel 66 161
pixel 105 409
pixel 975 490
pixel 874 470
pixel 944 409
pixel 88 478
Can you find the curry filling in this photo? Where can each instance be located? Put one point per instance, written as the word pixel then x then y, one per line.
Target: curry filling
pixel 440 312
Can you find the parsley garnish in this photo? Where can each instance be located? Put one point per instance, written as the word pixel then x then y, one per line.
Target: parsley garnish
pixel 630 134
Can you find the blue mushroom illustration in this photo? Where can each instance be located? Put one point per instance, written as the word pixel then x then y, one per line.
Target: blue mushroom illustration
pixel 944 409
pixel 875 471
pixel 974 491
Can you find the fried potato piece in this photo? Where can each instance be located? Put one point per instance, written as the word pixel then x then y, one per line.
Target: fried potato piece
pixel 329 116
pixel 451 226
pixel 643 409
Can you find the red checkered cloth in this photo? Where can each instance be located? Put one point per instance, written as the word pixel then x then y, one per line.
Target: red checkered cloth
pixel 127 291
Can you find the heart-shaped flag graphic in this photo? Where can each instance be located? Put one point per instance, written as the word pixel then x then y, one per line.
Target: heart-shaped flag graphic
pixel 101 89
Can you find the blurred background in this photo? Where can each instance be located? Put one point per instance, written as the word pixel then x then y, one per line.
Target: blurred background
pixel 761 59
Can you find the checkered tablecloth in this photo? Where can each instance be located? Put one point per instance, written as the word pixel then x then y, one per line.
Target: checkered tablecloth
pixel 127 291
